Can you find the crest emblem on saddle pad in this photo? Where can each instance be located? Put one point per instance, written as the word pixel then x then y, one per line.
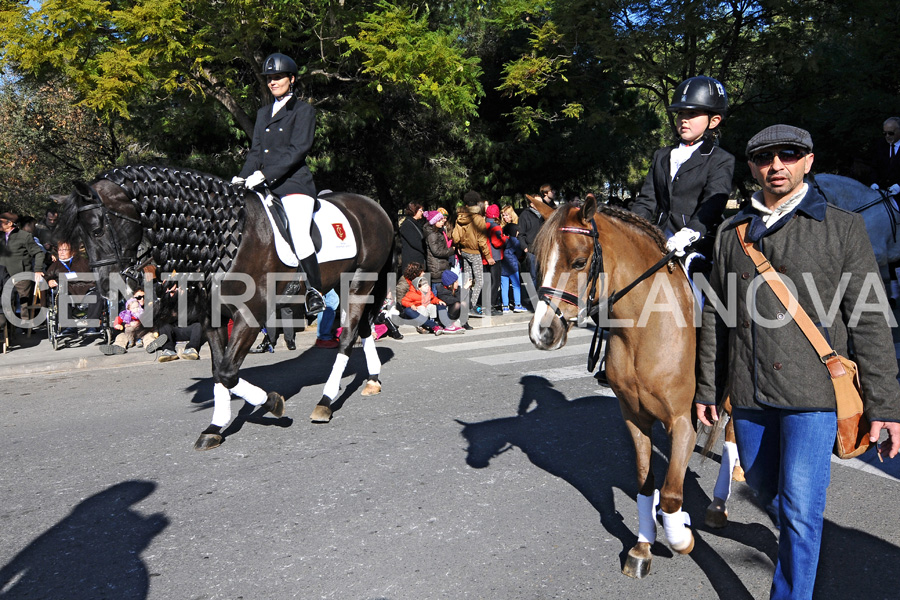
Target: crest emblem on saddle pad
pixel 339 231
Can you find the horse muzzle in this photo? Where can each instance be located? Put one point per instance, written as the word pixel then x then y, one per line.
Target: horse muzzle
pixel 548 328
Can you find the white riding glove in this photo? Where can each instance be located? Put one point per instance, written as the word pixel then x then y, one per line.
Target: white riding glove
pixel 237 180
pixel 874 186
pixel 894 190
pixel 255 179
pixel 681 240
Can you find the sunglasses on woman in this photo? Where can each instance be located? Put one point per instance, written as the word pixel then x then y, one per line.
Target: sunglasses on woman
pixel 787 156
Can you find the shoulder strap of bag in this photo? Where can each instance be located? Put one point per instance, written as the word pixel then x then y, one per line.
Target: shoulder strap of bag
pixel 764 268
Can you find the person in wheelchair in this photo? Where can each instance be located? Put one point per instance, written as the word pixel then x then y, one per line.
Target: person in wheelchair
pixel 79 290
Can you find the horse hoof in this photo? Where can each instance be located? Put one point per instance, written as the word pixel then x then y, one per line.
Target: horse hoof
pixel 637 563
pixel 275 404
pixel 686 547
pixel 373 387
pixel 321 414
pixel 208 441
pixel 716 519
pixel 738 473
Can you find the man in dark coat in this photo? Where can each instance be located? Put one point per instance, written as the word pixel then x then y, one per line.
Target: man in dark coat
pixel 884 160
pixel 751 351
pixel 19 253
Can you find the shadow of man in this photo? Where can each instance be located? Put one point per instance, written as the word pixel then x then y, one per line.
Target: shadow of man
pixel 92 553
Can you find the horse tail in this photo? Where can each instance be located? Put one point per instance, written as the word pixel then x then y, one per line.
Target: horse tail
pixel 711 438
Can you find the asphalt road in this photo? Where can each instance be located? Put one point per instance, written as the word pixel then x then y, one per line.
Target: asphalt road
pixel 485 469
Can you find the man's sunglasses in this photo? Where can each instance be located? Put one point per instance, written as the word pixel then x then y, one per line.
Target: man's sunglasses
pixel 787 156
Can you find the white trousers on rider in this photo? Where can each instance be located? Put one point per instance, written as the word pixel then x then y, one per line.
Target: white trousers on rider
pixel 299 209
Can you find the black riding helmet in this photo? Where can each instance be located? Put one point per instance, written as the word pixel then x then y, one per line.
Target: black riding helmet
pixel 279 63
pixel 700 93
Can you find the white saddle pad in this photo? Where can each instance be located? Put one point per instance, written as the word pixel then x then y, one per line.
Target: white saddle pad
pixel 338 241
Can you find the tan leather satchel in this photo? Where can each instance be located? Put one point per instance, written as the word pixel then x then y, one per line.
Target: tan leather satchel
pixel 852 425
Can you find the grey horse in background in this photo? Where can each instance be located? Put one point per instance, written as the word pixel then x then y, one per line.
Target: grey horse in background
pixel 879 211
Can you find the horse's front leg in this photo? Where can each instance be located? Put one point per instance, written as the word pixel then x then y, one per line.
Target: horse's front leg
pixel 682 438
pixel 226 361
pixel 637 563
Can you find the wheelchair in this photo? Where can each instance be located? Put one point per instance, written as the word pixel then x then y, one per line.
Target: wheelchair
pixel 79 314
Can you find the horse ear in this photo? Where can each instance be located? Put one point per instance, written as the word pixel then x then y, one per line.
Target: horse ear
pixel 540 206
pixel 58 198
pixel 82 189
pixel 589 208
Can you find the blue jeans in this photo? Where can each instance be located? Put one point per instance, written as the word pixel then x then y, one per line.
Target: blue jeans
pixel 786 456
pixel 505 281
pixel 326 318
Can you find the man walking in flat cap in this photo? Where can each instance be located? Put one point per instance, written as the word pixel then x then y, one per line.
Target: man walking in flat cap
pixel 780 389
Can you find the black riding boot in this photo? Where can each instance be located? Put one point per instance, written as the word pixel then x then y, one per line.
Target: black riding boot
pixel 315 303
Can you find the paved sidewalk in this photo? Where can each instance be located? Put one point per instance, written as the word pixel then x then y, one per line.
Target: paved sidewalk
pixel 34 354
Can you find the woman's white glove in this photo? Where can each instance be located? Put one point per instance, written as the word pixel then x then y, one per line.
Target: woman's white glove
pixel 255 179
pixel 237 180
pixel 681 240
pixel 874 186
pixel 894 190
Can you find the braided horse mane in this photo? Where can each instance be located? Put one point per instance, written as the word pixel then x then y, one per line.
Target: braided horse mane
pixel 193 220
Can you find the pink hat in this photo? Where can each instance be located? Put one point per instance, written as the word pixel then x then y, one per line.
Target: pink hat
pixel 492 211
pixel 433 216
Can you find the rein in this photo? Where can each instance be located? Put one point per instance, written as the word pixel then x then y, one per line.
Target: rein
pixel 547 294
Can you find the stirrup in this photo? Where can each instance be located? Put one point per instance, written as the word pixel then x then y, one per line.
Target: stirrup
pixel 315 303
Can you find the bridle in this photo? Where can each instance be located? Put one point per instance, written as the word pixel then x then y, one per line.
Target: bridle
pixel 547 294
pixel 121 254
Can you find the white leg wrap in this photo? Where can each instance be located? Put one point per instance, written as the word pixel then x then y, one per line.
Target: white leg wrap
pixel 333 385
pixel 722 491
pixel 674 524
pixel 372 362
pixel 249 392
pixel 222 405
pixel 647 517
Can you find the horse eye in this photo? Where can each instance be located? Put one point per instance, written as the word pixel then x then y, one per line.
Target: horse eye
pixel 579 264
pixel 97 232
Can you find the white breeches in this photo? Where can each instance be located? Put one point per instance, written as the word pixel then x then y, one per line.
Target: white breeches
pixel 299 209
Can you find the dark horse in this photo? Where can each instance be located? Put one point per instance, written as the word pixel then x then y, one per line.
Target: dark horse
pixel 196 223
pixel 650 365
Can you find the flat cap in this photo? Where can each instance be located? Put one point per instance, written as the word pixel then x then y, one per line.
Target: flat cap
pixel 9 216
pixel 779 135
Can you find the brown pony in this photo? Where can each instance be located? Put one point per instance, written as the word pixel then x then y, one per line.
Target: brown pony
pixel 652 342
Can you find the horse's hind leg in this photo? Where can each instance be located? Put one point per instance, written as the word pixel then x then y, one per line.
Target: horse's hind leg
pixel 358 322
pixel 682 437
pixel 637 563
pixel 729 470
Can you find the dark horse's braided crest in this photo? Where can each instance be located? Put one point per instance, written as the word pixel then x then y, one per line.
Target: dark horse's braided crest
pixel 194 220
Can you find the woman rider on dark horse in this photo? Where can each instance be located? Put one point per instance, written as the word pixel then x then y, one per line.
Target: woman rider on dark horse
pixel 281 138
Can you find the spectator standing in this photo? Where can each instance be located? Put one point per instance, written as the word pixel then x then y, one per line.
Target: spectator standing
pixel 884 159
pixel 18 252
pixel 325 323
pixel 530 222
pixel 45 229
pixel 438 245
pixel 470 238
pixel 780 389
pixel 412 236
pixel 509 268
pixel 497 243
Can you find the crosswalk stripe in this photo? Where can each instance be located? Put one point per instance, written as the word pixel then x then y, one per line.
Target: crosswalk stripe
pixel 508 358
pixel 562 373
